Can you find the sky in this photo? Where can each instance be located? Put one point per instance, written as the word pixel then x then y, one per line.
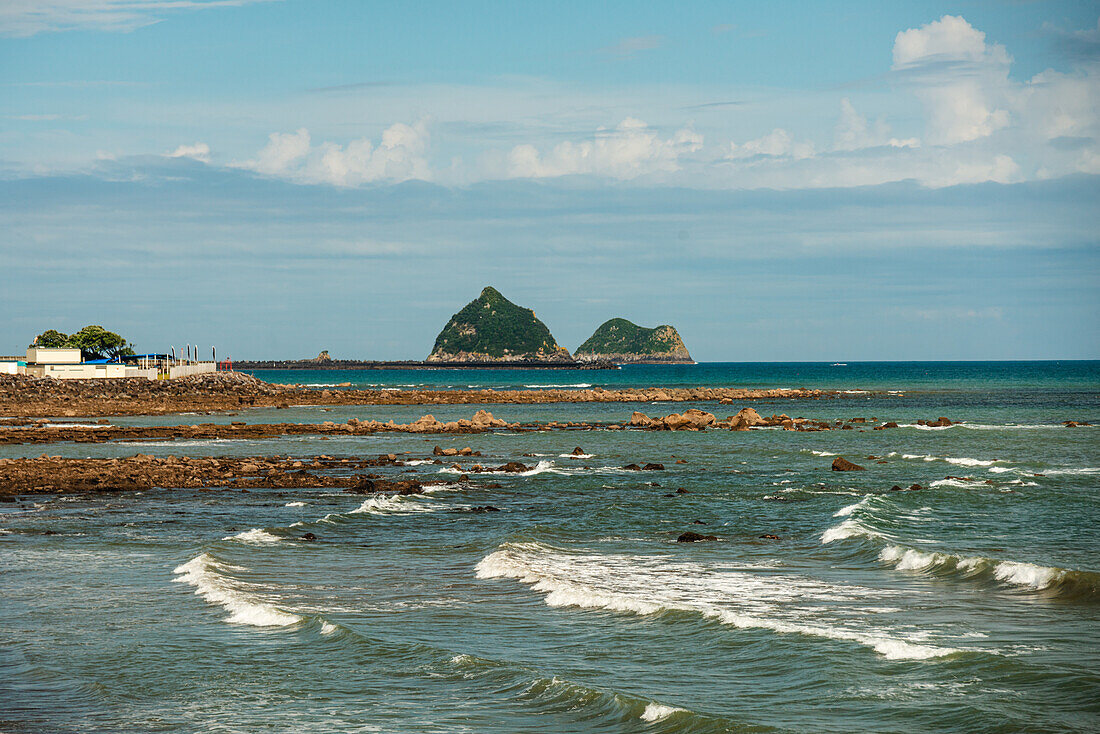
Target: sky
pixel 787 181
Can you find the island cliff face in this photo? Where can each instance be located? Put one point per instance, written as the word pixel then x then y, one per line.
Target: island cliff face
pixel 623 342
pixel 493 329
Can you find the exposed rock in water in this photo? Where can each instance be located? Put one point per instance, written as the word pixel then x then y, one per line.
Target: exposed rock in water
pixel 745 419
pixel 493 329
pixel 622 341
pixel 690 537
pixel 842 464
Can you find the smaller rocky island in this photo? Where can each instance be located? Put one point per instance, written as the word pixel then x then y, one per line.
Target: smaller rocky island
pixel 493 329
pixel 624 342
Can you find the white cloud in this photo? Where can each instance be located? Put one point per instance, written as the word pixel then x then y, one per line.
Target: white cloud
pixel 23 18
pixel 1054 105
pixel 961 78
pixel 398 157
pixel 198 151
pixel 777 144
pixel 951 38
pixel 627 151
pixel 854 132
pixel 1000 169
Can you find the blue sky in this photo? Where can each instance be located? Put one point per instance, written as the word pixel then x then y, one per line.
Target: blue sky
pixel 787 181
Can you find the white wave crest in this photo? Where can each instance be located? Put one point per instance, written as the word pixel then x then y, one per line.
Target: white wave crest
pixel 1013 573
pixel 846 511
pixel 959 483
pixel 1071 472
pixel 394 505
pixel 850 528
pixel 579 384
pixel 255 536
pixel 1027 574
pixel 244 607
pixel 295 504
pixel 539 468
pixel 786 604
pixel 960 461
pixel 658 712
pixel 577 456
pixel 907 559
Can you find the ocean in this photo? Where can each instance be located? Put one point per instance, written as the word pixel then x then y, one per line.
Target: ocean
pixel 971 604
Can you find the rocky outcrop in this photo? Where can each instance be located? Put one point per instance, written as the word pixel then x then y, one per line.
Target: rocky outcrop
pixel 842 464
pixel 690 537
pixel 23 395
pixel 624 342
pixel 142 472
pixel 747 418
pixel 691 419
pixel 493 329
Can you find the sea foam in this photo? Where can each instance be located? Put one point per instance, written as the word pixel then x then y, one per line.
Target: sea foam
pixel 255 536
pixel 244 607
pixel 648 585
pixel 658 712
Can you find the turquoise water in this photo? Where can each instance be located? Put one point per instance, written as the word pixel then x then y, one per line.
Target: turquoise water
pixel 970 605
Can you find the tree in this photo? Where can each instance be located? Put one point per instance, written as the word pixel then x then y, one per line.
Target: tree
pixel 95 342
pixel 51 339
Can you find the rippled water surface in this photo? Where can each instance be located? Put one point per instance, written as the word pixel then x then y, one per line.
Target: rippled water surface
pixel 972 604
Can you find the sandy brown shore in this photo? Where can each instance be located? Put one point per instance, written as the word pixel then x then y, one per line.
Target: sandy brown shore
pixel 22 396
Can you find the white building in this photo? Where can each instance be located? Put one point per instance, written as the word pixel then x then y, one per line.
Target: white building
pixel 68 364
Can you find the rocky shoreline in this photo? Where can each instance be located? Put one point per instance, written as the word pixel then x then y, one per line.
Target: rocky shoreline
pixel 24 396
pixel 45 431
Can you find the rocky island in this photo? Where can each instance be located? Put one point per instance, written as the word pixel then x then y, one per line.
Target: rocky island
pixel 624 342
pixel 493 329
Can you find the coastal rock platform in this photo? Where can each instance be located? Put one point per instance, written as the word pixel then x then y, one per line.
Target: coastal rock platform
pixel 23 396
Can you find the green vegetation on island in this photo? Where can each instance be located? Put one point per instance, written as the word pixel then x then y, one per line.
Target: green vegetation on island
pixel 94 342
pixel 491 328
pixel 620 341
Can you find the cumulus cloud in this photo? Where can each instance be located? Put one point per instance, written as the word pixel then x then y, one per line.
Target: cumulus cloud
pixel 23 18
pixel 629 150
pixel 777 144
pixel 198 151
pixel 959 76
pixel 854 132
pixel 399 156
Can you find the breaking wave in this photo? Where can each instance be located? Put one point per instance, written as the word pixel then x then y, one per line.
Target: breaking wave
pixel 743 598
pixel 658 712
pixel 255 536
pixel 539 468
pixel 212 583
pixel 859 522
pixel 395 505
pixel 1030 576
pixel 962 461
